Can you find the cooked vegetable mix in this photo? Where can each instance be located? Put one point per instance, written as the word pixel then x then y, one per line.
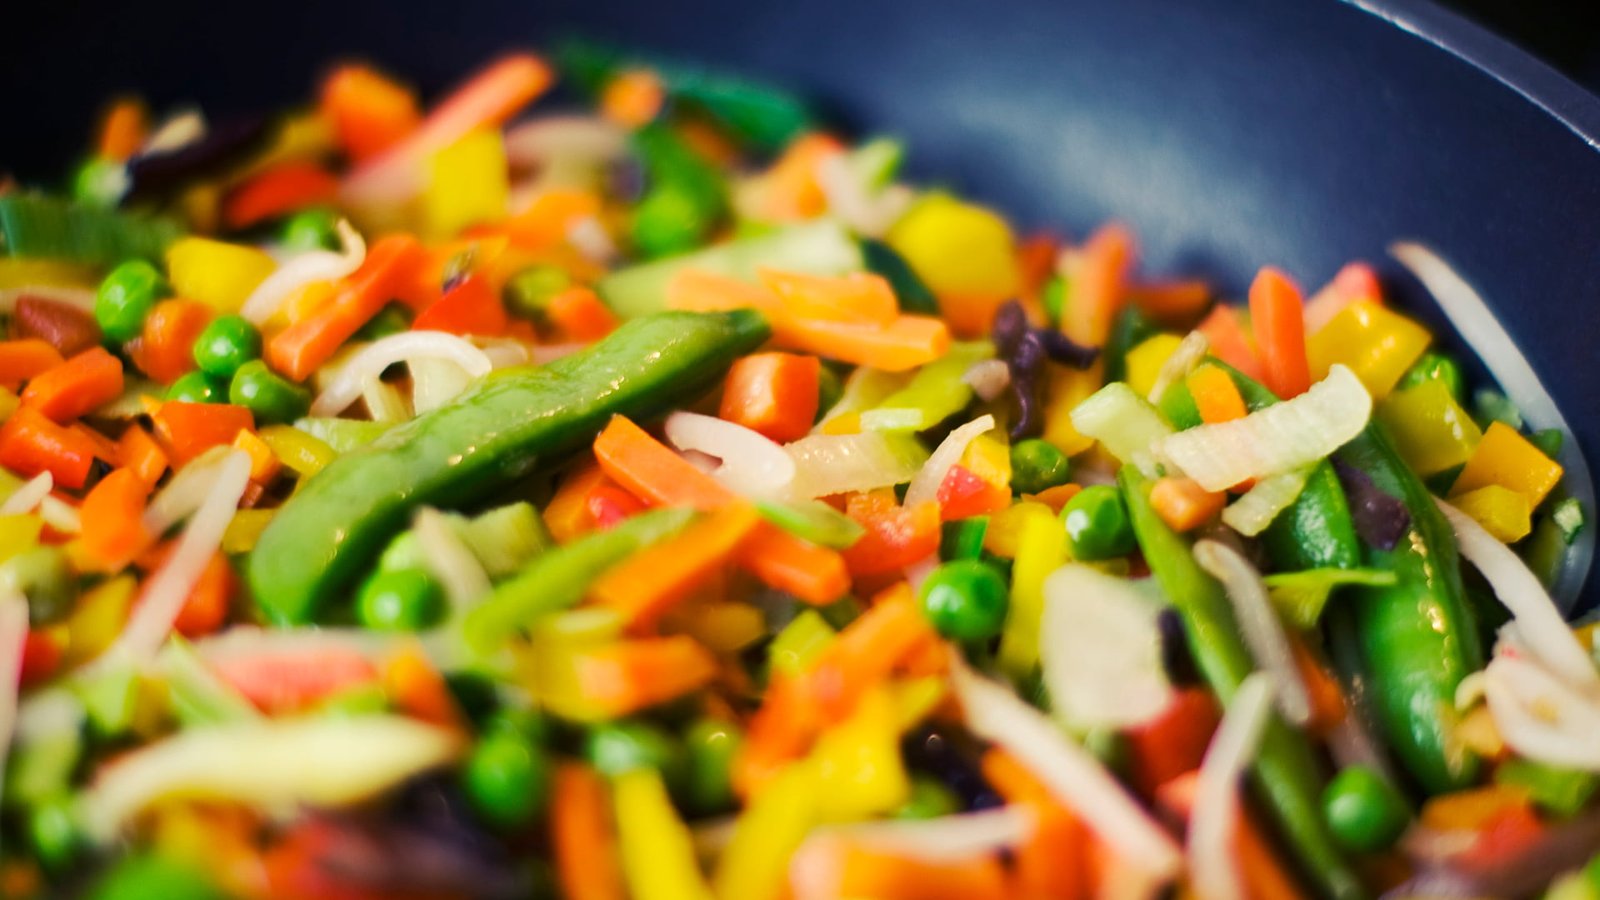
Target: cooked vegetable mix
pixel 474 500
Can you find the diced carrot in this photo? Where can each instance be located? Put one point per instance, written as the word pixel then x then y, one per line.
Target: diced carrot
pixel 470 307
pixel 1355 282
pixel 139 453
pixel 633 97
pixel 964 494
pixel 42 651
pixel 774 394
pixel 31 443
pixel 369 112
pixel 1506 836
pixel 789 191
pixel 1177 304
pixel 1174 742
pixel 905 343
pixel 1327 697
pixel 1099 285
pixel 655 579
pixel 699 291
pixel 1054 861
pixel 206 608
pixel 809 572
pixel 1215 395
pixel 187 430
pixel 608 505
pixel 113 532
pixel 832 866
pixel 285 188
pixel 628 676
pixel 1183 504
pixel 549 218
pixel 652 472
pixel 77 386
pixel 1277 316
pixel 417 689
pixel 580 315
pixel 1264 873
pixel 123 130
pixel 1036 263
pixel 166 346
pixel 25 359
pixel 61 325
pixel 567 515
pixel 895 536
pixel 860 298
pixel 264 464
pixel 1472 809
pixel 298 350
pixel 1229 341
pixel 1055 497
pixel 583 836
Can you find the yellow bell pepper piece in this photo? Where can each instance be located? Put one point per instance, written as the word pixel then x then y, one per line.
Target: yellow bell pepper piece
pixel 468 183
pixel 9 402
pixel 724 628
pixel 548 664
pixel 755 864
pixel 1377 344
pixel 301 452
pixel 657 852
pixel 915 699
pixel 800 642
pixel 989 458
pixel 859 770
pixel 964 253
pixel 1004 534
pixel 1144 362
pixel 20 272
pixel 218 274
pixel 1501 511
pixel 18 533
pixel 1065 388
pixel 98 618
pixel 1430 430
pixel 1041 549
pixel 1506 458
pixel 244 529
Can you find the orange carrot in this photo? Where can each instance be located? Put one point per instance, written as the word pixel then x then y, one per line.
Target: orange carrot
pixel 628 676
pixel 832 866
pixel 583 836
pixel 580 315
pixel 1215 395
pixel 1183 504
pixel 652 472
pixel 207 605
pixel 567 514
pixel 298 350
pixel 905 343
pixel 860 298
pixel 285 188
pixel 77 386
pixel 1036 262
pixel 1229 341
pixel 25 359
pixel 633 97
pixel 470 307
pixel 31 443
pixel 1099 285
pixel 1174 303
pixel 113 532
pixel 264 464
pixel 1055 497
pixel 189 429
pixel 1327 697
pixel 1174 742
pixel 809 572
pixel 1053 862
pixel 138 451
pixel 659 577
pixel 549 217
pixel 165 349
pixel 123 130
pixel 1265 876
pixel 789 190
pixel 417 689
pixel 774 394
pixel 1277 316
pixel 368 112
pixel 895 536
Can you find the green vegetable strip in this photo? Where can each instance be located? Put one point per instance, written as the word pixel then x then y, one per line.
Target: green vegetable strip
pixel 489 437
pixel 50 228
pixel 1284 772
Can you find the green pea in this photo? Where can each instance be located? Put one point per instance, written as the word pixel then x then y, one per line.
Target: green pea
pixel 507 778
pixel 1037 465
pixel 965 600
pixel 155 878
pixel 670 219
pixel 226 344
pixel 616 748
pixel 196 387
pixel 1433 366
pixel 929 799
pixel 125 298
pixel 713 744
pixel 399 600
pixel 273 399
pixel 1097 524
pixel 312 229
pixel 1363 811
pixel 53 828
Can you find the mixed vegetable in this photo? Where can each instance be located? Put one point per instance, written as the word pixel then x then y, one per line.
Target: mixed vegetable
pixel 668 501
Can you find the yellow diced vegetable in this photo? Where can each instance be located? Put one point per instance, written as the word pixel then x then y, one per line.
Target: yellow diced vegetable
pixel 916 699
pixel 218 274
pixel 1065 388
pixel 303 453
pixel 1501 511
pixel 755 864
pixel 1508 459
pixel 989 458
pixel 18 533
pixel 657 852
pixel 263 462
pixel 244 529
pixel 965 254
pixel 98 618
pixel 9 402
pixel 21 272
pixel 1004 534
pixel 1041 549
pixel 468 183
pixel 724 627
pixel 800 642
pixel 1377 344
pixel 1430 430
pixel 844 423
pixel 1144 362
pixel 859 770
pixel 548 665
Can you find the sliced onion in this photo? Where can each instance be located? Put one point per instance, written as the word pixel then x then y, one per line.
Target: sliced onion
pixel 407 346
pixel 839 463
pixel 988 378
pixel 166 590
pixel 504 354
pixel 435 382
pixel 384 402
pixel 749 463
pixel 588 235
pixel 867 210
pixel 1539 623
pixel 272 765
pixel 539 141
pixel 301 270
pixel 1213 864
pixel 925 485
pixel 1541 715
pixel 13 636
pixel 1191 351
pixel 450 560
pixel 27 498
pixel 184 493
pixel 1288 435
pixel 1100 648
pixel 996 714
pixel 60 515
pixel 79 298
pixel 1252 513
pixel 1124 423
pixel 1260 625
pixel 175 131
pixel 960 836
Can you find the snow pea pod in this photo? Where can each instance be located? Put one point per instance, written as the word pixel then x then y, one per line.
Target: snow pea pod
pixel 490 436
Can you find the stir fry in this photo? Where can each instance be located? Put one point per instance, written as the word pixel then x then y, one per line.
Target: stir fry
pixel 608 482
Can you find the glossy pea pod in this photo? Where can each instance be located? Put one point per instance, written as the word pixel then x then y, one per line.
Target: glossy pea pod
pixel 1284 772
pixel 490 436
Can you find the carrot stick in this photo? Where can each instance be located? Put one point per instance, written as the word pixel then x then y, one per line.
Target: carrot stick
pixel 860 298
pixel 905 343
pixel 1099 285
pixel 123 130
pixel 113 532
pixel 1177 303
pixel 139 452
pixel 1229 341
pixel 810 572
pixel 31 443
pixel 1054 862
pixel 189 429
pixel 1183 504
pixel 298 350
pixel 584 836
pixel 774 394
pixel 833 866
pixel 206 607
pixel 416 688
pixel 25 359
pixel 628 676
pixel 567 514
pixel 77 386
pixel 1265 876
pixel 789 189
pixel 1215 395
pixel 1277 316
pixel 368 112
pixel 580 315
pixel 659 577
pixel 1327 697
pixel 165 349
pixel 280 190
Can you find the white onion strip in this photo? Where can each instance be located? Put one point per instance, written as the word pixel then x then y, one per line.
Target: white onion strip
pixel 1213 864
pixel 13 635
pixel 1539 623
pixel 940 839
pixel 299 271
pixel 1191 350
pixel 164 593
pixel 750 463
pixel 1259 624
pixel 1252 513
pixel 27 498
pixel 60 515
pixel 1100 649
pixel 925 485
pixel 370 361
pixel 1541 715
pixel 988 378
pixel 840 463
pixel 539 141
pixel 996 714
pixel 183 494
pixel 450 560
